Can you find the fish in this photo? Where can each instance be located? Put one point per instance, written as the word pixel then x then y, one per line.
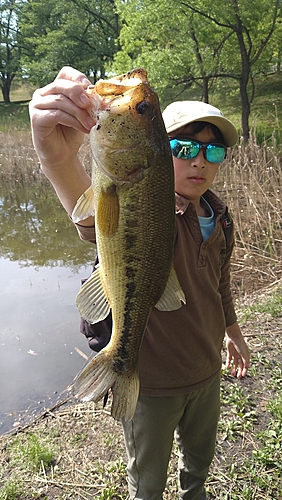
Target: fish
pixel 133 201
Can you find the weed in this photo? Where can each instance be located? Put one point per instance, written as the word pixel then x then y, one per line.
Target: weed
pixel 270 304
pixel 31 453
pixel 11 490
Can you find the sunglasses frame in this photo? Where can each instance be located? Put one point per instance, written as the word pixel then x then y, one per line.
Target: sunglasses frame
pixel 203 146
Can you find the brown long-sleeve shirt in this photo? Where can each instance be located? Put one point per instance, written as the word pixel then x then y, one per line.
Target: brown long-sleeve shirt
pixel 181 350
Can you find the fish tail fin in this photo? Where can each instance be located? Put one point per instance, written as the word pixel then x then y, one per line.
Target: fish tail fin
pixel 125 396
pixel 98 376
pixel 95 379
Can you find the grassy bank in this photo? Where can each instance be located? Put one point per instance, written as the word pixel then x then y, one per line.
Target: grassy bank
pixel 77 452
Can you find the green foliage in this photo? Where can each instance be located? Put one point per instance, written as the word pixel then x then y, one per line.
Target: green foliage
pixel 190 43
pixel 80 33
pixel 11 490
pixel 13 116
pixel 184 42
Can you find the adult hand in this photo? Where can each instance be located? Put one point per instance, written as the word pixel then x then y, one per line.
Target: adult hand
pixel 59 118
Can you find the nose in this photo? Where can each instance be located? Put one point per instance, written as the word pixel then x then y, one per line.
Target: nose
pixel 199 161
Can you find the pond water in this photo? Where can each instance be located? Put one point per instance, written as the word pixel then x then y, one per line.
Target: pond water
pixel 42 261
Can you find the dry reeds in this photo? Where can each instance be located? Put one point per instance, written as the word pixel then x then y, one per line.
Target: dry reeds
pixel 249 181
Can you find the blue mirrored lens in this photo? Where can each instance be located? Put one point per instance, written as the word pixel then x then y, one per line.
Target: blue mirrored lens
pixel 184 149
pixel 215 153
pixel 188 149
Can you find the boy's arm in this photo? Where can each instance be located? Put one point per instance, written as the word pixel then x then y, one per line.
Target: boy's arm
pixel 59 119
pixel 238 354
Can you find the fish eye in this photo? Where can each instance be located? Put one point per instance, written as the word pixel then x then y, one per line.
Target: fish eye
pixel 142 107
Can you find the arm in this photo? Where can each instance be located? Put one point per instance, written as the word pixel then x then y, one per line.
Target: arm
pixel 59 119
pixel 238 353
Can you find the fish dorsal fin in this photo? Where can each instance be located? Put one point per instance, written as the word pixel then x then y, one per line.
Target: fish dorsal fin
pixel 84 206
pixel 173 295
pixel 91 300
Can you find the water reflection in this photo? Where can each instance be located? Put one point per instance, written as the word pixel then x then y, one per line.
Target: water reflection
pixel 42 261
pixel 36 231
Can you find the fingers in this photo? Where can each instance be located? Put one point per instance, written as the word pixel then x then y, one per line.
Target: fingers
pixel 58 108
pixel 239 367
pixel 63 102
pixel 69 73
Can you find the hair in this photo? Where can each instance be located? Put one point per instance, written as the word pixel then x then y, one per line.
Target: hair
pixel 197 127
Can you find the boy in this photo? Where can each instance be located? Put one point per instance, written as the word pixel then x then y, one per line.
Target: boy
pixel 180 359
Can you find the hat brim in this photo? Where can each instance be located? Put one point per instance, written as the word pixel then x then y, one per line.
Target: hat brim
pixel 227 128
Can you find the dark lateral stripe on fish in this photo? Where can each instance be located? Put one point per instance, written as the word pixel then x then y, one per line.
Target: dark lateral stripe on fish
pixel 127 333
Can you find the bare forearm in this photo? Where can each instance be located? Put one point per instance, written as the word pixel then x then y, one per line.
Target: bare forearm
pixel 60 118
pixel 69 182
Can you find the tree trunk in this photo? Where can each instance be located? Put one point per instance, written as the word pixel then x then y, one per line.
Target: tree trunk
pixel 6 87
pixel 205 92
pixel 246 109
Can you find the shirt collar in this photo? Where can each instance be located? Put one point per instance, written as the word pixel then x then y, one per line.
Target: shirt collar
pixel 181 203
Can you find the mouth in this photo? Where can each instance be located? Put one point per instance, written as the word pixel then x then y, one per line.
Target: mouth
pixel 196 179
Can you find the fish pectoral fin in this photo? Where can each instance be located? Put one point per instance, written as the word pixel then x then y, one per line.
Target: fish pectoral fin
pixel 125 395
pixel 173 295
pixel 84 206
pixel 91 300
pixel 107 215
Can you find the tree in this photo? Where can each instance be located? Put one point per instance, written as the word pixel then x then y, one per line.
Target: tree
pixel 80 33
pixel 186 42
pixel 9 46
pixel 250 26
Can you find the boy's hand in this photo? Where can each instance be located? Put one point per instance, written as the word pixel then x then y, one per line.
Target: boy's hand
pixel 59 118
pixel 238 354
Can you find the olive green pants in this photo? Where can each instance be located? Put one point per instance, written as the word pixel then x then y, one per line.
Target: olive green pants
pixel 192 419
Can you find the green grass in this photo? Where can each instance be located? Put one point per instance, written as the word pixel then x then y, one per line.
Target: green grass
pixel 266 111
pixel 14 116
pixel 28 454
pixel 268 305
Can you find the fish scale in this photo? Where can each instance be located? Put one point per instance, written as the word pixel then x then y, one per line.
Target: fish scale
pixel 132 199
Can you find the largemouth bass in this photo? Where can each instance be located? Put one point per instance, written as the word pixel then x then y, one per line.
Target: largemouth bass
pixel 132 199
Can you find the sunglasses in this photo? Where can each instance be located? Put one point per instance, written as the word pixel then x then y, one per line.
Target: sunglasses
pixel 186 149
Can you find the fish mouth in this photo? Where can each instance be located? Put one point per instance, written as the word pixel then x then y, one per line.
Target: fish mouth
pixel 114 96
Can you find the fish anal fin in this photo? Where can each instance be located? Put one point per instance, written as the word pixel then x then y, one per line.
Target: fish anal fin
pixel 107 216
pixel 173 295
pixel 91 300
pixel 84 206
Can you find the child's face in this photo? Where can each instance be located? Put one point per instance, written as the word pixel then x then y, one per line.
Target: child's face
pixel 194 176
